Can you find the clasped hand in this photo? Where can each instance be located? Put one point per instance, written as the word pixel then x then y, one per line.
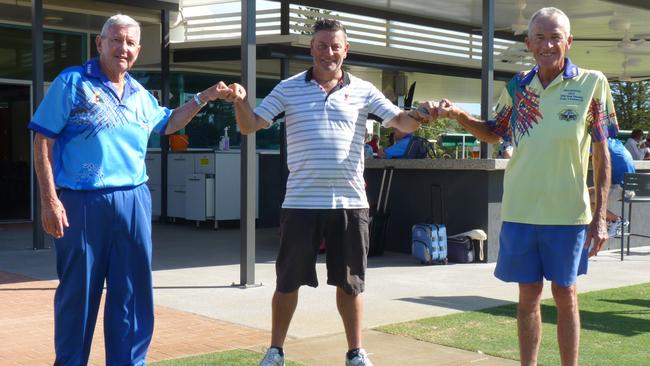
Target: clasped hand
pixel 431 111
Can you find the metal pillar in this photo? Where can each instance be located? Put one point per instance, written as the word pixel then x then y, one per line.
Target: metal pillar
pixel 164 98
pixel 487 69
pixel 248 158
pixel 38 238
pixel 284 74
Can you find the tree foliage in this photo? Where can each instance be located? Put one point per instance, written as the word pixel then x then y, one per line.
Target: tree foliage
pixel 632 104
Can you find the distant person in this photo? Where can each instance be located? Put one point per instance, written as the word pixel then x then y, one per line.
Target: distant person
pixel 505 150
pixel 92 130
pixel 633 144
pixel 622 163
pixel 325 190
pixel 374 144
pixel 548 230
pixel 398 149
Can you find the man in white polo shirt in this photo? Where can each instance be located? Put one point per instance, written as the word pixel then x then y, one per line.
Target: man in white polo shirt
pixel 325 108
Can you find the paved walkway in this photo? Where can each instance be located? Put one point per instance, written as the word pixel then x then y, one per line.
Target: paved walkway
pixel 199 311
pixel 26 328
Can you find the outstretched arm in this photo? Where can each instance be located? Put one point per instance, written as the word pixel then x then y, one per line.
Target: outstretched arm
pixel 409 121
pixel 478 128
pixel 247 120
pixel 182 115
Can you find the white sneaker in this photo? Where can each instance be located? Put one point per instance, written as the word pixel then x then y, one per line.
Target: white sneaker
pixel 620 225
pixel 612 228
pixel 272 358
pixel 360 360
pixel 615 228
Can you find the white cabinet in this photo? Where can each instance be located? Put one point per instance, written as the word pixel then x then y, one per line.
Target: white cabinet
pixel 200 185
pixel 199 197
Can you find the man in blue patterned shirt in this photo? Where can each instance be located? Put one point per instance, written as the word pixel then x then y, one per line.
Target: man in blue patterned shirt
pixel 91 139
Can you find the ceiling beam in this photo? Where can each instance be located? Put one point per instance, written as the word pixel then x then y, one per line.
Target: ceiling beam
pixel 279 51
pixel 147 4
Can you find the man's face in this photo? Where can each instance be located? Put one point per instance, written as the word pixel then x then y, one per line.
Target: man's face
pixel 119 49
pixel 329 49
pixel 549 43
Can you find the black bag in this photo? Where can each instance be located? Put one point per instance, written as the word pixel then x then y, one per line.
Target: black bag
pixel 419 148
pixel 460 249
pixel 379 220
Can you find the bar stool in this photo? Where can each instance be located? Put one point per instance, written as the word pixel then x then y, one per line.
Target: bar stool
pixel 639 184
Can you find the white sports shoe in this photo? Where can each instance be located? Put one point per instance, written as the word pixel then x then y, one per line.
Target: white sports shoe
pixel 360 360
pixel 272 358
pixel 615 228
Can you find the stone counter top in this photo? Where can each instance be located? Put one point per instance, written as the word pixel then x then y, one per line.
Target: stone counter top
pixel 438 164
pixel 458 164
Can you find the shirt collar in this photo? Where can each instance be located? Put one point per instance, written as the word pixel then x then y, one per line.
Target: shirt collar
pixel 93 69
pixel 345 80
pixel 570 71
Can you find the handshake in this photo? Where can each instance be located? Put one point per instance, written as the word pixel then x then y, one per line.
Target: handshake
pixel 431 111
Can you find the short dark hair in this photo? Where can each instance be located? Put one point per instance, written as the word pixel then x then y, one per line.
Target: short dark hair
pixel 637 133
pixel 330 25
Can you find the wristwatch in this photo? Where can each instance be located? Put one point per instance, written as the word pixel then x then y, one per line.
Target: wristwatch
pixel 197 100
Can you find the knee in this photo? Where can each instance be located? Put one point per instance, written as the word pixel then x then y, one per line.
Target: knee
pixel 565 297
pixel 530 296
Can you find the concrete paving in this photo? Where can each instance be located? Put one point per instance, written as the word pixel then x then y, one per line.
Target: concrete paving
pixel 195 270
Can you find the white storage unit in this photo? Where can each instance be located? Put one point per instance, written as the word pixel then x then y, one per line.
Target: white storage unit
pixel 179 165
pixel 199 197
pixel 200 185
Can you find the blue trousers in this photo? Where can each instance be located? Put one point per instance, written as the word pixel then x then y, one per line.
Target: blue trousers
pixel 109 239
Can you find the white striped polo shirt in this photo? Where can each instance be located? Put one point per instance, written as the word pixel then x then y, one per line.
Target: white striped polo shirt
pixel 325 138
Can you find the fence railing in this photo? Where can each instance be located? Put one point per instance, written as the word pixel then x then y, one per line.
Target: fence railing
pixel 223 21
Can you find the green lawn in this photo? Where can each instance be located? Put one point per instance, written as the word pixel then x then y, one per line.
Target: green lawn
pixel 237 357
pixel 615 329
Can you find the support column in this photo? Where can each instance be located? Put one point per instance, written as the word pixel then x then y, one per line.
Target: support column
pixel 487 70
pixel 38 238
pixel 164 99
pixel 248 157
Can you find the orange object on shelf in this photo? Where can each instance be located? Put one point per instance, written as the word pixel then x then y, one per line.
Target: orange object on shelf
pixel 179 142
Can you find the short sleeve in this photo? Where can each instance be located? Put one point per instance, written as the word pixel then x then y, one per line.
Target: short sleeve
pixel 501 125
pixel 380 106
pixel 157 115
pixel 52 114
pixel 601 116
pixel 273 104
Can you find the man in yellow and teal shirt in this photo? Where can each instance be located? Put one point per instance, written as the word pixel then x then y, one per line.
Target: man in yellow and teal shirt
pixel 552 115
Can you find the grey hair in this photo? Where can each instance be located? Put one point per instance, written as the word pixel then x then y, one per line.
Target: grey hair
pixel 122 21
pixel 550 12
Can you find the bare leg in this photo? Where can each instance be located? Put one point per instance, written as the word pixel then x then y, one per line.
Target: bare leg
pixel 283 307
pixel 351 311
pixel 568 323
pixel 529 322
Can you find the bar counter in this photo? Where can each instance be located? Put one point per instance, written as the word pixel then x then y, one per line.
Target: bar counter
pixel 463 194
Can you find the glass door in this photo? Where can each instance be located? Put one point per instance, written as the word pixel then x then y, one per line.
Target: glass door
pixel 15 152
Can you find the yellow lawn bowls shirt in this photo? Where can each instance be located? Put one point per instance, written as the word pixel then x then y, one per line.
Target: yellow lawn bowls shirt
pixel 551 130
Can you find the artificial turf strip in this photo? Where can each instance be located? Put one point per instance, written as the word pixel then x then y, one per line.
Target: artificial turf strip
pixel 238 357
pixel 615 329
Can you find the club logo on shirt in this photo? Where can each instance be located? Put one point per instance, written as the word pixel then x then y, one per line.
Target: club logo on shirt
pixel 568 115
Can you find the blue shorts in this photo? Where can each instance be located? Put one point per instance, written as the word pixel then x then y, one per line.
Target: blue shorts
pixel 528 253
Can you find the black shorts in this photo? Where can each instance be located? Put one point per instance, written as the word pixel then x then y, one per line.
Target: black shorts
pixel 346 234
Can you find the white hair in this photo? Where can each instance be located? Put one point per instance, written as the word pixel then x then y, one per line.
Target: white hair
pixel 551 12
pixel 122 21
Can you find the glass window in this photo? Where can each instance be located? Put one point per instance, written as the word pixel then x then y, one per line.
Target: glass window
pixel 60 50
pixel 208 126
